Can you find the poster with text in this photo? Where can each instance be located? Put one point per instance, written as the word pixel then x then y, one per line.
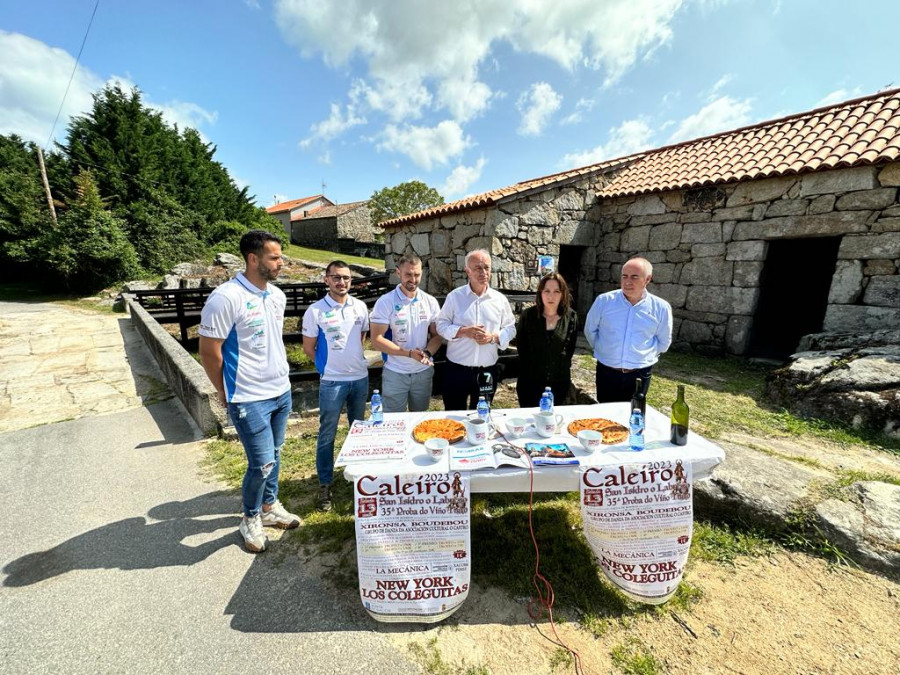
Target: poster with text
pixel 367 442
pixel 638 519
pixel 413 545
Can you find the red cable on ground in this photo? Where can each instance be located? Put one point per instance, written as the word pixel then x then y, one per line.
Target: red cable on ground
pixel 543 601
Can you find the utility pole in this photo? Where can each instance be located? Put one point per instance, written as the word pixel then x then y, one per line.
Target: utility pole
pixel 46 186
pixel 323 187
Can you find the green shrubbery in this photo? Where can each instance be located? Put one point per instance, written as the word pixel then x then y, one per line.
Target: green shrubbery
pixel 133 195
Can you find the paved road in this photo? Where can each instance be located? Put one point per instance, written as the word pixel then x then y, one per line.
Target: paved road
pixel 119 557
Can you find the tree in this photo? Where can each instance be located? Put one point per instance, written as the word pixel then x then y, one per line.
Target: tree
pixel 89 249
pixel 400 200
pixel 24 216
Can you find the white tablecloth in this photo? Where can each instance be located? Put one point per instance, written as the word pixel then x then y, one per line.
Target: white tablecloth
pixel 702 454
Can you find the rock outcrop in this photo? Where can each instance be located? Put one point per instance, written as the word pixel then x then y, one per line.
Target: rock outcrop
pixel 854 378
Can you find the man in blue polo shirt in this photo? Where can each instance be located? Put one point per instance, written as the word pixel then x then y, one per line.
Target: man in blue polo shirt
pixel 334 329
pixel 628 330
pixel 243 354
pixel 403 329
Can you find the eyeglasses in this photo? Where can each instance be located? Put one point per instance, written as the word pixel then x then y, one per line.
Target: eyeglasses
pixel 338 277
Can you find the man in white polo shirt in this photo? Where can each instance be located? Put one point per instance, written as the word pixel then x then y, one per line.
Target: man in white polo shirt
pixel 243 354
pixel 334 329
pixel 402 324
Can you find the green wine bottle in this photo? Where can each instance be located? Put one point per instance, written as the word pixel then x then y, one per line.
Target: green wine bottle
pixel 680 416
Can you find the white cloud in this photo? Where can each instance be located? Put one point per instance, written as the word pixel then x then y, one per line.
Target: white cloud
pixel 278 199
pixel 33 79
pixel 723 114
pixel 461 178
pixel 537 106
pixel 838 96
pixel 425 146
pixel 719 85
pixel 324 158
pixel 184 113
pixel 411 70
pixel 584 105
pixel 628 138
pixel 338 122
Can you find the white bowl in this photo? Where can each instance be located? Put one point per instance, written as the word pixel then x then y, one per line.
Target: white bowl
pixel 436 447
pixel 590 440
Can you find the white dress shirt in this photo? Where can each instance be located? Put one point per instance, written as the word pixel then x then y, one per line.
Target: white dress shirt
pixel 463 307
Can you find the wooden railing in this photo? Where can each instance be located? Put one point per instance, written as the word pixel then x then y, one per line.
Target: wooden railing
pixel 182 306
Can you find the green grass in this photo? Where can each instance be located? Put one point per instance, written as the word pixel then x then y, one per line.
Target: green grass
pixel 295 356
pixel 635 658
pixel 723 544
pixel 726 394
pixel 315 255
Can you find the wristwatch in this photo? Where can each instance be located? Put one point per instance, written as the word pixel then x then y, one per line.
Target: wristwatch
pixel 428 353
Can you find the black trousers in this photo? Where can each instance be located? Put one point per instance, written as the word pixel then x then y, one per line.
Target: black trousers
pixel 614 385
pixel 529 391
pixel 462 385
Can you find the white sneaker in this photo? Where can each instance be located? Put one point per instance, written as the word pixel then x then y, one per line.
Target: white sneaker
pixel 252 530
pixel 279 517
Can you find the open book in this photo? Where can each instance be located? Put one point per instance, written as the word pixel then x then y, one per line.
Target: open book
pixel 495 455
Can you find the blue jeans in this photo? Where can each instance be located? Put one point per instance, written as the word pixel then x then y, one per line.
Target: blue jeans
pixel 332 396
pixel 261 426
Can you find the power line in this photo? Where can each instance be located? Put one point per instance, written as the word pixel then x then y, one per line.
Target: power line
pixel 72 76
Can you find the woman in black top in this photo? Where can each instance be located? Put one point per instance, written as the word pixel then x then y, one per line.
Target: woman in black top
pixel 545 337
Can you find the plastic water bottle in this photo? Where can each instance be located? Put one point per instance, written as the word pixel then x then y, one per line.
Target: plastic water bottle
pixel 377 416
pixel 547 400
pixel 484 410
pixel 636 435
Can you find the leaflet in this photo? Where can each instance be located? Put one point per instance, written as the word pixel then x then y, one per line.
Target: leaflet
pixel 489 456
pixel 367 442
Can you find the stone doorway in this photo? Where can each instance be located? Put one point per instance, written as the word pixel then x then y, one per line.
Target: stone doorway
pixel 570 268
pixel 793 294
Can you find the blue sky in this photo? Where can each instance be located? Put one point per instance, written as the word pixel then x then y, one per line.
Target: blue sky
pixel 466 96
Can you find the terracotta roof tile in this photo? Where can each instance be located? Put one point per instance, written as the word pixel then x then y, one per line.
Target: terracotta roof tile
pixel 494 196
pixel 861 131
pixel 857 132
pixel 330 211
pixel 293 204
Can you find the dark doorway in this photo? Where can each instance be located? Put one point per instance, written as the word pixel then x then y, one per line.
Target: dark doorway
pixel 570 268
pixel 793 294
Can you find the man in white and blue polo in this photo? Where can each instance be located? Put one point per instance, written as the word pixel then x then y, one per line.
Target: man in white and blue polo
pixel 242 351
pixel 402 324
pixel 334 329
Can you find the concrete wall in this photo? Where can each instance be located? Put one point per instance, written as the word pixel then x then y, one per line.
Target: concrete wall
pixel 185 376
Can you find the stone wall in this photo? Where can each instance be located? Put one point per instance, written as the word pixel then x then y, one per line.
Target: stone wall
pixel 707 245
pixel 324 232
pixel 315 232
pixel 515 232
pixel 357 224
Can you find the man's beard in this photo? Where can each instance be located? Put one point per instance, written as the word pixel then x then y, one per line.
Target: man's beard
pixel 267 274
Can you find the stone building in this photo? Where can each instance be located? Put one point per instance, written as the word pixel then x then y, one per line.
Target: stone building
pixel 287 212
pixel 757 236
pixel 335 224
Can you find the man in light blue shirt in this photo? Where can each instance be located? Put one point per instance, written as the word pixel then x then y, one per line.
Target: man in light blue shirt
pixel 628 330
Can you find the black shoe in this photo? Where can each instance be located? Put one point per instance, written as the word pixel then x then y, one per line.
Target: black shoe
pixel 324 498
